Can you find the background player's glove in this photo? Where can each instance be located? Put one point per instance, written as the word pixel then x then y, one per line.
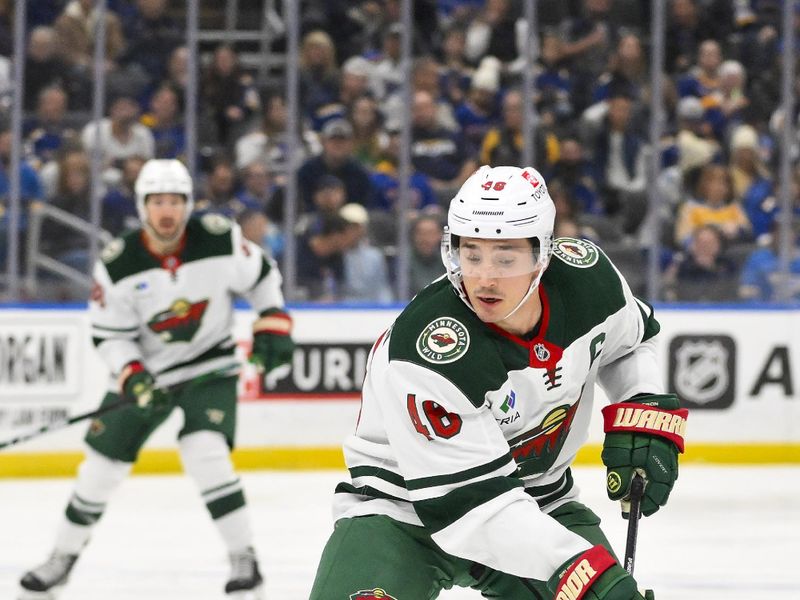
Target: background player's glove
pixel 139 387
pixel 272 340
pixel 644 434
pixel 595 575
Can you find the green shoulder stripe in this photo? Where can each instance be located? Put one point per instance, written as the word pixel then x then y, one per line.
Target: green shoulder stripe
pixel 206 237
pixel 651 326
pixel 582 285
pixel 439 332
pixel 438 513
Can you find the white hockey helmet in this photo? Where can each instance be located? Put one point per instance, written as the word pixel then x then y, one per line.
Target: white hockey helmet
pixel 163 176
pixel 500 203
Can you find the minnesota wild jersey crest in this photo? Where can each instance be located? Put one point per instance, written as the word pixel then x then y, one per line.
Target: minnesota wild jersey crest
pixel 180 321
pixel 537 449
pixel 443 340
pixel 578 253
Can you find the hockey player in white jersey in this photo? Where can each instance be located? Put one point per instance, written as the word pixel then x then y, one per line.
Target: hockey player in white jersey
pixel 161 313
pixel 475 403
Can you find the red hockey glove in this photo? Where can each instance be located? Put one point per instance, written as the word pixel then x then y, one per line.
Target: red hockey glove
pixel 594 575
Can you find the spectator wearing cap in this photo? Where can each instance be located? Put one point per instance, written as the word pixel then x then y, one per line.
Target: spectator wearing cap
pixel 321 241
pixel 365 276
pixel 335 159
pixel 479 112
pixel 696 145
pixel 752 186
pixel 440 154
pixel 120 135
pixel 726 106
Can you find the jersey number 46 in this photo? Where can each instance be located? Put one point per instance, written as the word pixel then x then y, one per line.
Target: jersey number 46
pixel 444 424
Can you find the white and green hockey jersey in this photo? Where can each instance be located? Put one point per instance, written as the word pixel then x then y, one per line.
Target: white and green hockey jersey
pixel 175 313
pixel 470 431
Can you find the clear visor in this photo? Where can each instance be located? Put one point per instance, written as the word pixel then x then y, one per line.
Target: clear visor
pixel 494 259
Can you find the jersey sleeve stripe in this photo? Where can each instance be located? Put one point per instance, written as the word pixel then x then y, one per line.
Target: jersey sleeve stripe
pixel 386 475
pixel 114 329
pixel 504 465
pixel 265 269
pixel 365 490
pixel 222 349
pixel 438 513
pixel 546 494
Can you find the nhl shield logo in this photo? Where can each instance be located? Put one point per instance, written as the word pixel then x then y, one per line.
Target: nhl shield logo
pixel 374 594
pixel 443 340
pixel 702 370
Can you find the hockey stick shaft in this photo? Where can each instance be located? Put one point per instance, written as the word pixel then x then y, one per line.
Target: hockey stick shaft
pixel 65 423
pixel 637 489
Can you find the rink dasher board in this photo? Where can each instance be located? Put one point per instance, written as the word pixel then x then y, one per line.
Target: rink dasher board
pixel 735 369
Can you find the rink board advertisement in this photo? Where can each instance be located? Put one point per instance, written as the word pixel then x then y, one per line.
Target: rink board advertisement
pixel 736 370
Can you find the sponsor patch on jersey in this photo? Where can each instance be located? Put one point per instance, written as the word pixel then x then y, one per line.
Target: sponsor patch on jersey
pixel 373 594
pixel 112 250
pixel 578 253
pixel 443 340
pixel 215 224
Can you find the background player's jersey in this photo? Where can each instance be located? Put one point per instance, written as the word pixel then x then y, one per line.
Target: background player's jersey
pixel 175 313
pixel 468 430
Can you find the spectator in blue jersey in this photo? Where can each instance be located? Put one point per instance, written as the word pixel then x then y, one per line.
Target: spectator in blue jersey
pixel 30 189
pixel 46 131
pixel 436 152
pixel 761 277
pixel 336 159
pixel 479 112
pixel 456 72
pixel 553 81
pixel 702 79
pixel 356 81
pixel 577 175
pixel 752 186
pixel 386 182
pixel 165 121
pixel 727 106
pixel 257 187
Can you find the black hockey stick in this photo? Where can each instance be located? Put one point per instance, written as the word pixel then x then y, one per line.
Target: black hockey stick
pixel 65 423
pixel 634 512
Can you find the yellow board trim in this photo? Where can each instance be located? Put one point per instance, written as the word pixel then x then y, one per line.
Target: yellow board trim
pixel 64 464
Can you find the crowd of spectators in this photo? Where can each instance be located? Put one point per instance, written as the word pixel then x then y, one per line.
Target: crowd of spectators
pixel 718 156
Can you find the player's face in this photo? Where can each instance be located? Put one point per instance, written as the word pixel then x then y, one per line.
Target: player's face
pixel 166 215
pixel 497 274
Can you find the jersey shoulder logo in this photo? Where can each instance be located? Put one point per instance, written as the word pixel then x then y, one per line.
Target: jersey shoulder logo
pixel 112 250
pixel 578 253
pixel 215 224
pixel 443 340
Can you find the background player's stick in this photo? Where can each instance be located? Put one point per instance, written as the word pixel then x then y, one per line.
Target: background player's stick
pixel 634 512
pixel 65 423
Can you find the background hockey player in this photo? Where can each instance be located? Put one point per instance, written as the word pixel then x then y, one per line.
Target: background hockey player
pixel 475 404
pixel 162 316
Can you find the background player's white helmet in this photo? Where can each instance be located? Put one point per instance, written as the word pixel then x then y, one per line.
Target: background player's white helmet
pixel 500 203
pixel 163 176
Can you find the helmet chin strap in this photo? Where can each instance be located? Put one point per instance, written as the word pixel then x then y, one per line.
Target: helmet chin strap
pixel 534 284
